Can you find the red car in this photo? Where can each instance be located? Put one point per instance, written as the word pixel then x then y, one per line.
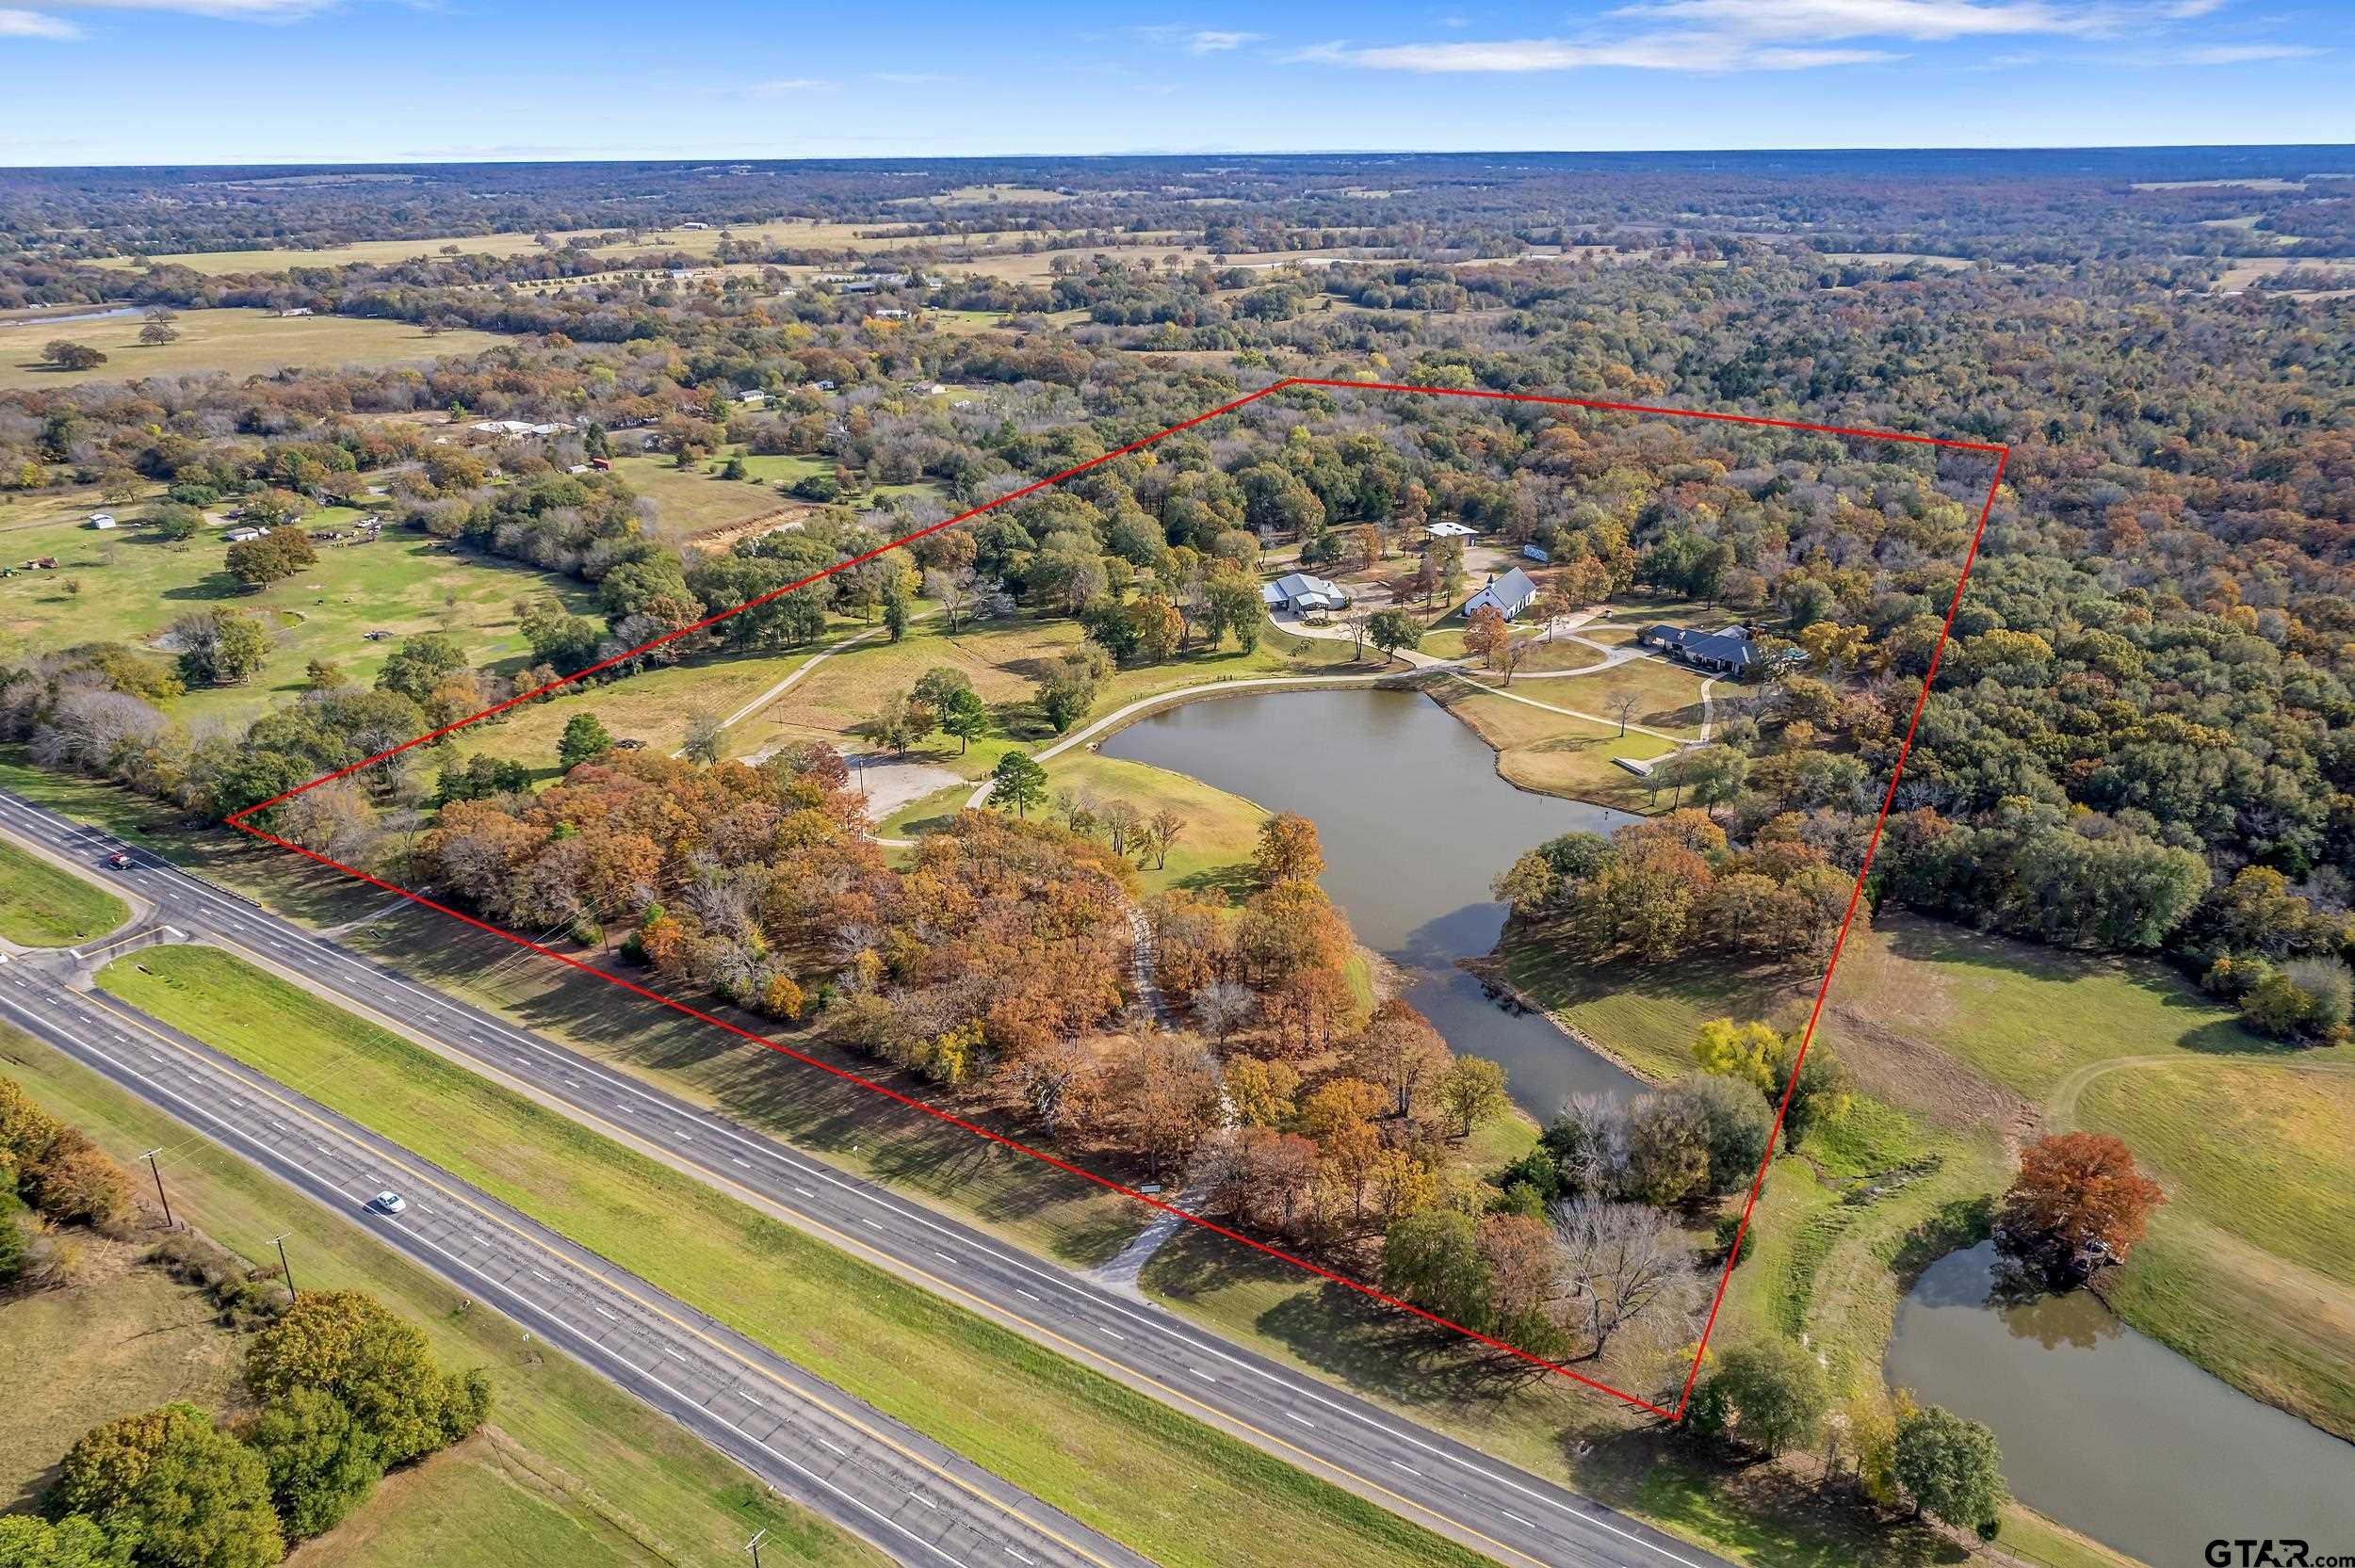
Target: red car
pixel 119 861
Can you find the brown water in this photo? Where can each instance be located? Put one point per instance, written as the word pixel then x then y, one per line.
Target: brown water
pixel 1415 824
pixel 2112 1433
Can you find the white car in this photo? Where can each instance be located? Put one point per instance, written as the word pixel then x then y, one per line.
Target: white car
pixel 389 1203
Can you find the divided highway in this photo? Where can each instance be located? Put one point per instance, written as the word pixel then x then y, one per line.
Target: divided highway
pixel 900 1491
pixel 1422 1475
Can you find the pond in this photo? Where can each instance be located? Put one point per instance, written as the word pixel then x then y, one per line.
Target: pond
pixel 1415 824
pixel 2112 1433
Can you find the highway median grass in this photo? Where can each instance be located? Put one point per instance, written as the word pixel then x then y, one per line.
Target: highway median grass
pixel 44 907
pixel 1132 1468
pixel 578 1461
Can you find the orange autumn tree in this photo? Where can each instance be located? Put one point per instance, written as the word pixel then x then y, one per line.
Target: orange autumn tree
pixel 2077 1205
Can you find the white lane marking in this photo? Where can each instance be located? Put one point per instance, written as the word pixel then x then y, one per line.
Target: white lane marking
pixel 539 1276
pixel 602 1313
pixel 1018 1557
pixel 673 1354
pixel 1408 1468
pixel 863 1221
pixel 844 1452
pixel 745 1163
pixel 206 895
pixel 1295 1415
pixel 943 1257
pixel 1026 1296
pixel 1517 1518
pixel 926 1502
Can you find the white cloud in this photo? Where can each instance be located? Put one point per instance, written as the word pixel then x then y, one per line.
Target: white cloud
pixel 2243 54
pixel 226 11
pixel 1922 20
pixel 785 85
pixel 1212 42
pixel 1704 52
pixel 1790 34
pixel 20 24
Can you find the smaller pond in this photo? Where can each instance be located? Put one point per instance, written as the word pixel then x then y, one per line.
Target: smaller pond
pixel 2111 1433
pixel 1415 825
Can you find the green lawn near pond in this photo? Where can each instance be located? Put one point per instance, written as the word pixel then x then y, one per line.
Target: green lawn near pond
pixel 41 906
pixel 588 1465
pixel 1120 1463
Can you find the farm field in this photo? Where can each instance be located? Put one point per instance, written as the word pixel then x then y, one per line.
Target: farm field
pixel 575 1460
pixel 128 586
pixel 1109 1457
pixel 43 907
pixel 798 233
pixel 230 341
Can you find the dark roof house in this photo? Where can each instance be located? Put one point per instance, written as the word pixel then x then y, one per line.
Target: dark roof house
pixel 1730 652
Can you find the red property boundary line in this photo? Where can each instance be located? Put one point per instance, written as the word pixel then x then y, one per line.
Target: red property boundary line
pixel 2000 452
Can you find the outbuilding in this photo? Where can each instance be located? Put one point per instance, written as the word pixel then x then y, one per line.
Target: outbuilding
pixel 1508 595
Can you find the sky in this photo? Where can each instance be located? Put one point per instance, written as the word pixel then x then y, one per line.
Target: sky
pixel 343 81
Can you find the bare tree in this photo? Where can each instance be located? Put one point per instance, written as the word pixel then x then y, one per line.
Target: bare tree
pixel 1622 706
pixel 1620 1265
pixel 953 591
pixel 1222 1007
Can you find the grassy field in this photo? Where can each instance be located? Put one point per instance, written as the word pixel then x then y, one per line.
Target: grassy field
pixel 1213 853
pixel 1977 1037
pixel 43 907
pixel 233 342
pixel 1003 660
pixel 693 501
pixel 1111 1458
pixel 600 1472
pixel 124 1339
pixel 132 586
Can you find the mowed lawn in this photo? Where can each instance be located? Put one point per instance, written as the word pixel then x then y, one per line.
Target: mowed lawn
pixel 44 907
pixel 232 341
pixel 128 586
pixel 579 1463
pixel 1075 1438
pixel 1552 752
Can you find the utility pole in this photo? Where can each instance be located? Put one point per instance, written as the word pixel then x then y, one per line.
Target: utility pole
pixel 169 1223
pixel 279 1243
pixel 754 1545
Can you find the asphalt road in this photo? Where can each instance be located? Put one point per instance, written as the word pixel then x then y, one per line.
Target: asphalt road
pixel 1509 1514
pixel 906 1494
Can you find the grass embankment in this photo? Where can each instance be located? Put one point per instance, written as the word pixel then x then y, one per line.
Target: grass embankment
pixel 44 907
pixel 571 1464
pixel 1111 1458
pixel 1554 753
pixel 230 341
